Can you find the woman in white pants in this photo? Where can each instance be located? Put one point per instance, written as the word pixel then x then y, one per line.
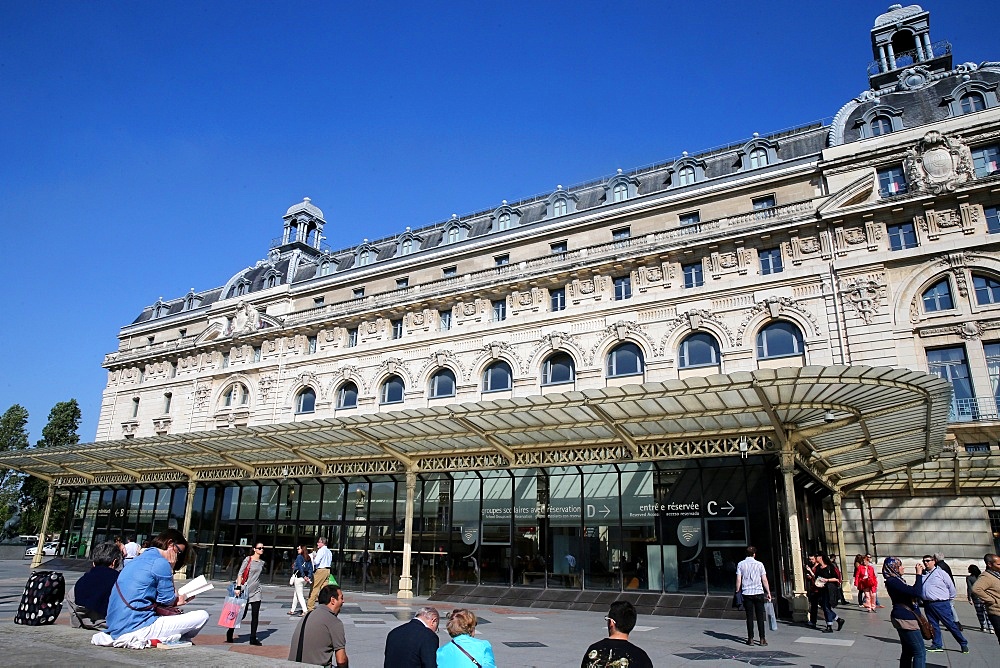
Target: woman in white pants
pixel 302 572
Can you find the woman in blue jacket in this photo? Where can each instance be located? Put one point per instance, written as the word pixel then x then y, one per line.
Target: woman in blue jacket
pixel 302 574
pixel 903 616
pixel 464 651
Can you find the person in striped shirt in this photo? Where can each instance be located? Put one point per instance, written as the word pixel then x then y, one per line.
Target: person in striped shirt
pixel 751 580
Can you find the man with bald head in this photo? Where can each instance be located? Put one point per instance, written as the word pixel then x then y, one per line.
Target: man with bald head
pixel 414 644
pixel 987 589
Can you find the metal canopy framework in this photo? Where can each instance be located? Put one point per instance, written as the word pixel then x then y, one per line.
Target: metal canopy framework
pixel 846 425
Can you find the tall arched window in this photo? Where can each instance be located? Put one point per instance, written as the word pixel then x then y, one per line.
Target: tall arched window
pixel 625 360
pixel 406 247
pixel 938 297
pixel 987 290
pixel 498 376
pixel 236 395
pixel 364 258
pixel 619 193
pixel 685 177
pixel 503 221
pixel 325 268
pixel 698 349
pixel 442 384
pixel 758 158
pixel 881 125
pixel 973 102
pixel 454 234
pixel 558 368
pixel 779 339
pixel 559 207
pixel 305 401
pixel 347 395
pixel 392 390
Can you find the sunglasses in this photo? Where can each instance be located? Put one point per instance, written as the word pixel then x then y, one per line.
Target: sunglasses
pixel 927 561
pixel 259 548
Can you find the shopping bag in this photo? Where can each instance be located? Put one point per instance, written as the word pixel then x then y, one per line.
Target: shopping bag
pixel 772 620
pixel 232 610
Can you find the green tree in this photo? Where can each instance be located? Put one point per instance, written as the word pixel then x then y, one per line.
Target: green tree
pixel 64 420
pixel 13 436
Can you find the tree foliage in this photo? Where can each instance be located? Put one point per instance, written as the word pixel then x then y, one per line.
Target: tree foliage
pixel 64 420
pixel 13 436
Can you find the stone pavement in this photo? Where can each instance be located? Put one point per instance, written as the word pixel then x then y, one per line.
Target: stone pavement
pixel 521 637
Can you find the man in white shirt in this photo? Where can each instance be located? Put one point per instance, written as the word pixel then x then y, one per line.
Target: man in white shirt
pixel 321 561
pixel 131 549
pixel 751 581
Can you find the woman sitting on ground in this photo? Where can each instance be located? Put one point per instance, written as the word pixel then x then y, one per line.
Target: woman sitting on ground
pixel 148 581
pixel 463 648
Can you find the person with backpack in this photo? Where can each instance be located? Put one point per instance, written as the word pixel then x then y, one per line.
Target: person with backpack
pixel 865 581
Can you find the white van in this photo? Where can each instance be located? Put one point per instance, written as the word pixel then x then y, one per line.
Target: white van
pixel 33 540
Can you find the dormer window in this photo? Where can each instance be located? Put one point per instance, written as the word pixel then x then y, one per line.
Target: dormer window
pixel 560 203
pixel 505 218
pixel 503 221
pixel 160 309
pixel 880 125
pixel 685 177
pixel 620 193
pixel 364 258
pixel 973 102
pixel 325 268
pixel 621 188
pixel 243 287
pixel 191 300
pixel 757 153
pixel 272 279
pixel 559 208
pixel 454 235
pixel 878 121
pixel 406 247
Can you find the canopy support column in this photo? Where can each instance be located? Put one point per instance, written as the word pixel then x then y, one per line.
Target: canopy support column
pixel 186 527
pixel 799 602
pixel 36 561
pixel 405 580
pixel 838 522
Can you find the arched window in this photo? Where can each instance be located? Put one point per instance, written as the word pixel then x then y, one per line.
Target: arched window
pixel 938 297
pixel 779 339
pixel 498 376
pixel 305 401
pixel 392 390
pixel 442 384
pixel 503 221
pixel 758 158
pixel 619 193
pixel 558 368
pixel 698 349
pixel 325 267
pixel 272 280
pixel 347 395
pixel 454 234
pixel 881 125
pixel 973 102
pixel 987 290
pixel 236 395
pixel 625 360
pixel 364 258
pixel 685 177
pixel 559 207
pixel 406 247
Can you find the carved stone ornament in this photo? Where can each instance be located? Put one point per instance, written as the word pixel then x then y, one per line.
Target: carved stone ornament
pixel 372 327
pixel 524 299
pixel 809 244
pixel 654 274
pixel 728 260
pixel 587 287
pixel 265 385
pixel 201 396
pixel 468 308
pixel 937 164
pixel 865 296
pixel 854 235
pixel 418 318
pixel 246 320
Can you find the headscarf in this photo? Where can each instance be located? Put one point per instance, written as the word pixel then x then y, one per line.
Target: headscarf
pixel 890 567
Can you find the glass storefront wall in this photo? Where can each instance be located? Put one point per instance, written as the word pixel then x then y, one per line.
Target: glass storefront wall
pixel 677 526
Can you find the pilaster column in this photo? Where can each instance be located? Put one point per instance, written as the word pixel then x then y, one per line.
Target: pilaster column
pixel 799 602
pixel 405 580
pixel 928 49
pixel 36 561
pixel 882 58
pixel 892 56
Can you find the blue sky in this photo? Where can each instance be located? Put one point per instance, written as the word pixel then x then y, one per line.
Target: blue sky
pixel 148 148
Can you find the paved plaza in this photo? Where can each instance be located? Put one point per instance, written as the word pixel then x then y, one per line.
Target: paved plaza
pixel 521 637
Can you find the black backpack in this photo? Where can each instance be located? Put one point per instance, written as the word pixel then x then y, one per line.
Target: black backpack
pixel 42 599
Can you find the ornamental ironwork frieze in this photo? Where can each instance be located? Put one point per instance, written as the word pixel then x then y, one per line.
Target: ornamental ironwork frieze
pixel 570 456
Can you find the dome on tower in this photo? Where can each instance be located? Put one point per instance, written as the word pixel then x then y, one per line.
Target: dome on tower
pixel 897 13
pixel 305 205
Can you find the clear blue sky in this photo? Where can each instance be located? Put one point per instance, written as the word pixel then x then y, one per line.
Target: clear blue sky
pixel 147 148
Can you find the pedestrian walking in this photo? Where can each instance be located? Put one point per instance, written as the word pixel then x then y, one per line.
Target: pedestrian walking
pixel 751 581
pixel 938 591
pixel 827 580
pixel 812 590
pixel 987 589
pixel 865 581
pixel 977 603
pixel 248 579
pixel 321 576
pixel 302 576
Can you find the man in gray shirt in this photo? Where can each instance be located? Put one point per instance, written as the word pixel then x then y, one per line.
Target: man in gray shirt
pixel 319 639
pixel 938 590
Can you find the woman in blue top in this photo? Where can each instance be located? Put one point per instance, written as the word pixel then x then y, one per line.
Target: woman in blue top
pixel 464 651
pixel 904 619
pixel 302 574
pixel 149 579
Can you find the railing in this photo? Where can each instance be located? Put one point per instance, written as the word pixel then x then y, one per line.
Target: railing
pixel 976 409
pixel 907 58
